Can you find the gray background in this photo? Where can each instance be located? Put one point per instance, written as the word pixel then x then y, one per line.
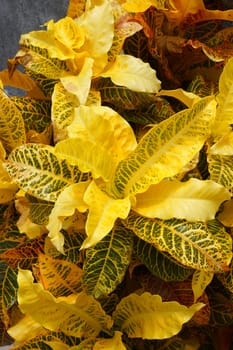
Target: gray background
pixel 21 16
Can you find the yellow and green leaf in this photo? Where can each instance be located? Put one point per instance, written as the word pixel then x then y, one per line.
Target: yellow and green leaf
pixel 76 315
pixel 198 245
pixel 41 173
pixel 146 316
pixel 114 343
pixel 200 280
pixel 165 149
pixel 221 169
pixel 191 200
pixel 106 263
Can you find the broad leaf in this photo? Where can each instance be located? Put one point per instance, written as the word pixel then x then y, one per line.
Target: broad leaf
pixel 201 279
pixel 133 73
pixel 59 277
pixel 199 245
pixel 12 129
pixel 79 315
pixel 148 317
pixel 165 149
pixel 191 200
pixel 106 263
pixel 41 173
pixel 39 210
pixel 25 329
pixel 221 169
pixel 161 264
pixel 103 211
pixel 114 343
pixel 69 199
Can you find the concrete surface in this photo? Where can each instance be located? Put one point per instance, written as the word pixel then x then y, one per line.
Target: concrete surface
pixel 21 16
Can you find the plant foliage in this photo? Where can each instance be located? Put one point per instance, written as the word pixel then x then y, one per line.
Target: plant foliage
pixel 116 179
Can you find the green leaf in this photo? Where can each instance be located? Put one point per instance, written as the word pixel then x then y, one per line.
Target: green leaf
pixel 106 263
pixel 39 210
pixel 77 315
pixel 221 310
pixel 12 129
pixel 148 317
pixel 199 245
pixel 8 291
pixel 161 264
pixel 221 169
pixel 41 173
pixel 165 149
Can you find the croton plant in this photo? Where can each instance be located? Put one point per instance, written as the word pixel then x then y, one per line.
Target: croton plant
pixel 116 177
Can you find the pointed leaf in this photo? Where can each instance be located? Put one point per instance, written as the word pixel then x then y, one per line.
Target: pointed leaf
pixel 201 279
pixel 188 98
pixel 106 263
pixel 148 317
pixel 133 73
pixel 190 200
pixel 38 171
pixel 202 246
pixel 103 211
pixel 59 277
pixel 165 149
pixel 80 316
pixel 12 131
pixel 69 199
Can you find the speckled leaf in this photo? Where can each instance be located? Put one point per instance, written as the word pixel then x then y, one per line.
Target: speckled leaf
pixel 12 129
pixel 146 316
pixel 59 277
pixel 76 315
pixel 106 263
pixel 39 210
pixel 200 280
pixel 38 171
pixel 165 149
pixel 221 169
pixel 198 245
pixel 161 264
pixel 8 291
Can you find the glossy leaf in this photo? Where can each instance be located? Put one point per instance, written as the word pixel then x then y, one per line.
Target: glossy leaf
pixel 158 155
pixel 59 277
pixel 201 279
pixel 103 211
pixel 148 317
pixel 106 263
pixel 12 129
pixel 160 264
pixel 133 73
pixel 80 315
pixel 220 169
pixel 191 200
pixel 38 171
pixel 202 246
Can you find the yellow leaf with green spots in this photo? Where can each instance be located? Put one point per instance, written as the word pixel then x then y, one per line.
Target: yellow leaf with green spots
pixel 221 169
pixel 165 149
pixel 12 129
pixel 200 280
pixel 103 211
pixel 38 171
pixel 146 316
pixel 76 315
pixel 199 245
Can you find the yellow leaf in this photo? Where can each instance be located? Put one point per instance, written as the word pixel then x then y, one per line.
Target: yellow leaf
pixel 120 140
pixel 201 279
pixel 188 98
pixel 225 144
pixel 77 315
pixel 133 73
pixel 141 6
pixel 79 85
pixel 70 198
pixel 7 191
pixel 76 8
pixel 57 345
pixel 114 343
pixel 25 329
pixel 103 211
pixel 193 200
pixel 146 316
pixel 226 214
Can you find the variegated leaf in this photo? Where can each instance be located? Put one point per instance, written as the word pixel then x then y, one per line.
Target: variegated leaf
pixel 41 173
pixel 199 245
pixel 139 6
pixel 12 128
pixel 59 277
pixel 147 316
pixel 76 315
pixel 226 278
pixel 39 210
pixel 76 8
pixel 221 169
pixel 161 264
pixel 200 280
pixel 165 149
pixel 114 343
pixel 106 263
